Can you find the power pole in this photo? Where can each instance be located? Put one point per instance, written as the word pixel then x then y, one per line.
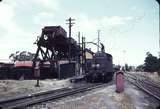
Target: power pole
pixel 159 33
pixel 70 23
pixel 98 40
pixel 158 1
pixel 124 58
pixel 79 38
pixel 159 27
pixel 83 55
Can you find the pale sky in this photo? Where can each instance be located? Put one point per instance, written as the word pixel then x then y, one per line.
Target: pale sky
pixel 129 28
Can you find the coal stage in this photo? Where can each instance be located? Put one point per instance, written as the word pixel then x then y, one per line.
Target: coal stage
pixel 56 54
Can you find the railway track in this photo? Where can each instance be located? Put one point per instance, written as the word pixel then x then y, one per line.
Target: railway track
pixel 145 84
pixel 32 99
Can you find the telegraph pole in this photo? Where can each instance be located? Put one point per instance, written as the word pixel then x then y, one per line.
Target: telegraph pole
pixel 98 40
pixel 159 27
pixel 83 54
pixel 124 56
pixel 70 24
pixel 159 32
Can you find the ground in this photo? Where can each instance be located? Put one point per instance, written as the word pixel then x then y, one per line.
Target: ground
pixel 105 98
pixel 154 76
pixel 13 87
pixel 102 98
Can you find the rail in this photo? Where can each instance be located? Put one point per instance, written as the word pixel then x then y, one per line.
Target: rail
pixel 24 101
pixel 144 84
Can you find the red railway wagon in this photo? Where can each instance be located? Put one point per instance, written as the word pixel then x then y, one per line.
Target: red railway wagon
pixel 23 64
pixel 22 70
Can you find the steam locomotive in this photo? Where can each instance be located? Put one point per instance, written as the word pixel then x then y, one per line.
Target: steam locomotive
pixel 99 68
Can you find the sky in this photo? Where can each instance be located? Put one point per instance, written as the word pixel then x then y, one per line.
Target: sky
pixel 129 28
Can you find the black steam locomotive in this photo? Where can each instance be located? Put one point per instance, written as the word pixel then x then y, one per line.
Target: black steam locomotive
pixel 99 68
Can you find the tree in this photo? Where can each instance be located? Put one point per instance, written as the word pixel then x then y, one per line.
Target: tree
pixel 151 63
pixel 140 68
pixel 22 56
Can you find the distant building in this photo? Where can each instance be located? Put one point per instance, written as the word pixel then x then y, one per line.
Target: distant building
pixel 88 54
